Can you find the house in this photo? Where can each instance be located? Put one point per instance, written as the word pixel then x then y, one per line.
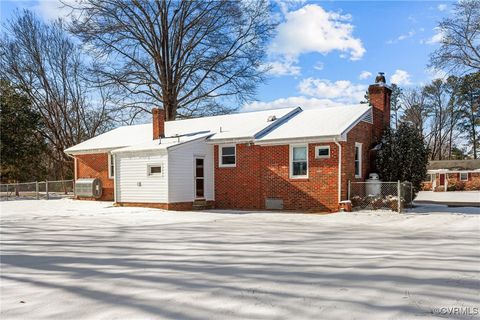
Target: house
pixel 291 159
pixel 452 175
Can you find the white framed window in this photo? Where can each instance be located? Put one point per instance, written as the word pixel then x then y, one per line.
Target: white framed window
pixel 298 161
pixel 227 156
pixel 464 176
pixel 111 166
pixel 154 170
pixel 322 152
pixel 430 177
pixel 358 160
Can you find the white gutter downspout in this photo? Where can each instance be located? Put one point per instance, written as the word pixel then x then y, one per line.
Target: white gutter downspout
pixel 339 170
pixel 74 171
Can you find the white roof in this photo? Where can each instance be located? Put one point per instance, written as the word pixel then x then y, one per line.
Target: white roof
pixel 314 123
pixel 231 126
pixel 290 124
pixel 164 143
pixel 116 138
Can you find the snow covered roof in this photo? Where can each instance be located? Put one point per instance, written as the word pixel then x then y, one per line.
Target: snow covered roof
pixel 224 127
pixel 268 126
pixel 323 122
pixel 472 164
pixel 116 138
pixel 231 126
pixel 165 143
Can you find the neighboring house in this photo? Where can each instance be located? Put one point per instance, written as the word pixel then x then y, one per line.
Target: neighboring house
pixel 289 159
pixel 452 175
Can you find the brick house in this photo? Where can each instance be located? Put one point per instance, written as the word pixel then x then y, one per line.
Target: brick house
pixel 291 159
pixel 452 175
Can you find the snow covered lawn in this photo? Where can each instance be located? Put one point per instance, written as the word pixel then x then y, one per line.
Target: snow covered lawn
pixel 64 259
pixel 451 197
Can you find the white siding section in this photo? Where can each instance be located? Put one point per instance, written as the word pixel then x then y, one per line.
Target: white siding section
pixel 133 182
pixel 181 170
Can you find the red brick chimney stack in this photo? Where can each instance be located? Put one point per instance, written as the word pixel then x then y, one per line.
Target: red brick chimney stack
pixel 158 123
pixel 379 94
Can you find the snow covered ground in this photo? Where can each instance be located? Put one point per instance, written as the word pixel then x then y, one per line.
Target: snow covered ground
pixel 450 196
pixel 64 259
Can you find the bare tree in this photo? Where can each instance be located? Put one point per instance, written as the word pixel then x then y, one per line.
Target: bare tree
pixel 189 57
pixel 460 44
pixel 49 68
pixel 395 104
pixel 415 109
pixel 469 99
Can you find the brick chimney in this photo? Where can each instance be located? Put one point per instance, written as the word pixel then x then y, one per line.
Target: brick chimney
pixel 380 94
pixel 158 123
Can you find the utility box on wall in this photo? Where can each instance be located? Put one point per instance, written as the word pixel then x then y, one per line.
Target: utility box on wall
pixel 88 188
pixel 273 204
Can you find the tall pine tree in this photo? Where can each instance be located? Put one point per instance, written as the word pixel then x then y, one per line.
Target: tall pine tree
pixel 21 147
pixel 403 156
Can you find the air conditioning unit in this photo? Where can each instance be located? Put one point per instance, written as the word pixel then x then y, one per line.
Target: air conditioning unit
pixel 88 188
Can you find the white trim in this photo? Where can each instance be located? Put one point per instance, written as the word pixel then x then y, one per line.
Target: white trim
pixel 195 157
pixel 360 155
pixel 110 158
pixel 115 178
pixel 354 123
pixel 220 154
pixel 322 147
pixel 290 161
pixel 300 140
pixel 461 176
pixel 91 151
pixel 75 168
pixel 339 146
pixel 150 165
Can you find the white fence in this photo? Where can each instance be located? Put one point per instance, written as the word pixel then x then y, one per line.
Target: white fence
pixel 37 190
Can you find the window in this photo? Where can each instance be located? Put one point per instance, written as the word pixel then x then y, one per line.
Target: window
pixel 322 152
pixel 430 177
pixel 299 161
pixel 199 178
pixel 154 170
pixel 358 160
pixel 464 176
pixel 227 156
pixel 111 166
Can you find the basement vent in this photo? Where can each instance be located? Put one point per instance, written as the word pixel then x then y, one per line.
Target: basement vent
pixel 273 204
pixel 368 117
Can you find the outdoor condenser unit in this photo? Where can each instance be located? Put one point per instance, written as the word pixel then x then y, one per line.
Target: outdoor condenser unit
pixel 88 188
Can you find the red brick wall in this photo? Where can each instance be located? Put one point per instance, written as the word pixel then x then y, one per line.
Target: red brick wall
pixel 362 133
pixel 240 186
pixel 318 192
pixel 96 166
pixel 380 100
pixel 263 172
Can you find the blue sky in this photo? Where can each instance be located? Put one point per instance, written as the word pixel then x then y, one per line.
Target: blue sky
pixel 327 52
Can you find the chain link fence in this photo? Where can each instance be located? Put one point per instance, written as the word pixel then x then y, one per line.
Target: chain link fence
pixel 37 190
pixel 394 196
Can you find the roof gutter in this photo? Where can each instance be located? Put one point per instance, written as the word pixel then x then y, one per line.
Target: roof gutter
pixel 300 140
pixel 89 151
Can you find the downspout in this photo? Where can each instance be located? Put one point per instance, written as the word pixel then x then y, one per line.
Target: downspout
pixel 74 172
pixel 114 176
pixel 339 169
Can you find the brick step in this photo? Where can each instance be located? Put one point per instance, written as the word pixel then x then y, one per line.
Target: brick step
pixel 200 204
